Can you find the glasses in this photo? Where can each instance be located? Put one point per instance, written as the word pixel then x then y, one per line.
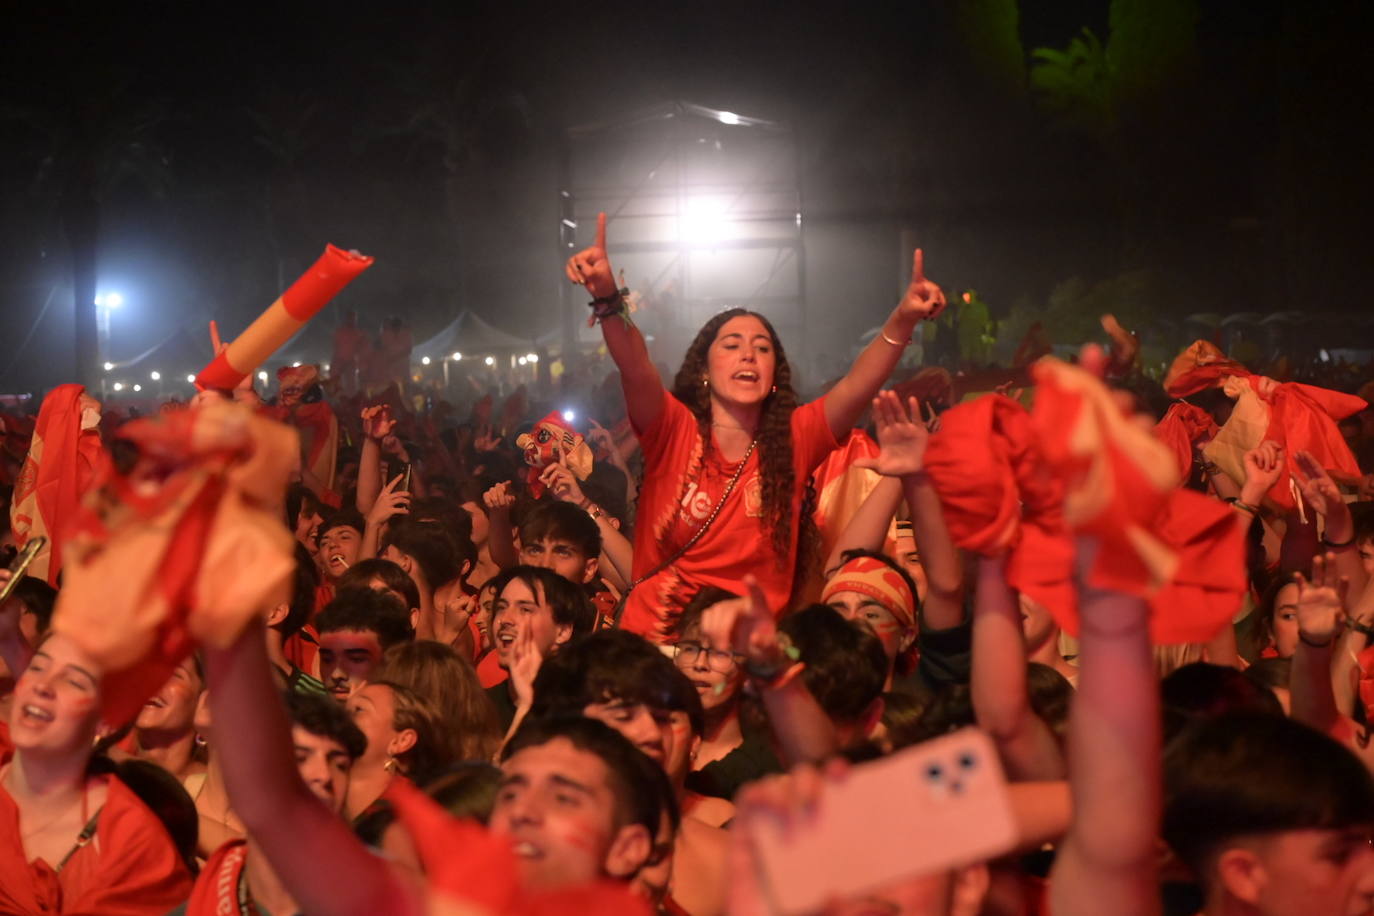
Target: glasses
pixel 687 653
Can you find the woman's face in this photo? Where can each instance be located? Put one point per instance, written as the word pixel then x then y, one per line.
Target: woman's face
pixel 1285 621
pixel 173 708
pixel 741 362
pixel 374 712
pixel 56 700
pixel 716 688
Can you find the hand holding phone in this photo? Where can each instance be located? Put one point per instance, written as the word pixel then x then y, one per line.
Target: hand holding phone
pixel 934 807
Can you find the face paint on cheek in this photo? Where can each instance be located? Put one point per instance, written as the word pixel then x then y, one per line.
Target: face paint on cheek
pixel 584 837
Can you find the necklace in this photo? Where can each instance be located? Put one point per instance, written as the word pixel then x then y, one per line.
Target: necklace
pixel 67 809
pixel 728 426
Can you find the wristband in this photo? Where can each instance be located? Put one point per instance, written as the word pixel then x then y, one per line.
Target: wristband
pixel 781 678
pixel 896 343
pixel 769 675
pixel 1245 507
pixel 1346 543
pixel 604 307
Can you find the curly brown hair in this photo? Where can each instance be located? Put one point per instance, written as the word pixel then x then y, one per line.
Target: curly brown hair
pixel 774 433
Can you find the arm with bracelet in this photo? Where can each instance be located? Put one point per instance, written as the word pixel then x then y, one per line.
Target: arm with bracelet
pixel 615 547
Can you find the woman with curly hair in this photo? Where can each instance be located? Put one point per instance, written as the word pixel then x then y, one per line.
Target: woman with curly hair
pixel 728 452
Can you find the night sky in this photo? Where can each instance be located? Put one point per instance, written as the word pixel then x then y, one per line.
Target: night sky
pixel 222 151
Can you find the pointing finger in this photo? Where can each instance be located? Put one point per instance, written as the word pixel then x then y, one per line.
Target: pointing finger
pixel 601 230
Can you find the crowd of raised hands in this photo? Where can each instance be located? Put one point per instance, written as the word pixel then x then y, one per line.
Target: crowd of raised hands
pixel 876 652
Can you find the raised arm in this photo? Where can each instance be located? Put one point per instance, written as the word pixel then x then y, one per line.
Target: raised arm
pixel 1001 698
pixel 745 626
pixel 852 393
pixel 500 531
pixel 1338 533
pixel 867 527
pixel 1321 610
pixel 616 549
pixel 1107 863
pixel 325 867
pixel 903 441
pixel 377 425
pixel 638 377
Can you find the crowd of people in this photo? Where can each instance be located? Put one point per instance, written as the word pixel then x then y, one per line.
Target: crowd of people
pixel 1031 650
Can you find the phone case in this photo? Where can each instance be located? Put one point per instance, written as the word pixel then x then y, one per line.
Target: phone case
pixel 939 805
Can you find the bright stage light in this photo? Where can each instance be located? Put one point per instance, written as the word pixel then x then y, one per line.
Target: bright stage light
pixel 532 357
pixel 522 360
pixel 704 221
pixel 109 366
pixel 729 117
pixel 191 379
pixel 457 357
pixel 155 375
pixel 569 416
pixel 118 386
pixel 110 300
pixel 424 360
pixel 490 360
pixel 296 364
pixel 138 388
pixel 262 376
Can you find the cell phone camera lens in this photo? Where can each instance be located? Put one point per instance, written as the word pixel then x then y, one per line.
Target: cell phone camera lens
pixel 935 772
pixel 968 760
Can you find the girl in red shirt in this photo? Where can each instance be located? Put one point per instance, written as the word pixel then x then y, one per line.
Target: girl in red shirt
pixel 728 451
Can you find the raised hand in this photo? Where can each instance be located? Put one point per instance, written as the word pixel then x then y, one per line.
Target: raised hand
pixel 1321 602
pixel 524 667
pixel 1264 466
pixel 377 422
pixel 600 436
pixel 591 268
pixel 456 614
pixel 1318 488
pixel 902 441
pixel 499 498
pixel 923 299
pixel 392 445
pixel 391 501
pixel 486 440
pixel 563 483
pixel 1125 345
pixel 744 626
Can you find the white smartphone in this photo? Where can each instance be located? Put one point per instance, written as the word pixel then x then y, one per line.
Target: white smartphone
pixel 938 805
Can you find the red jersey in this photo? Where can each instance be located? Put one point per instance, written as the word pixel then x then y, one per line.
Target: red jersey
pixel 129 868
pixel 683 483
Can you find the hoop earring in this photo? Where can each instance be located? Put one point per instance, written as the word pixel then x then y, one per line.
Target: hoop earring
pixel 200 740
pixel 706 381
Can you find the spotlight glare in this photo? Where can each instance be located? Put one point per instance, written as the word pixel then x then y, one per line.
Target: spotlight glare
pixel 109 366
pixel 296 364
pixel 138 388
pixel 532 357
pixel 191 379
pixel 729 117
pixel 118 386
pixel 262 376
pixel 457 357
pixel 155 375
pixel 522 360
pixel 424 360
pixel 569 416
pixel 490 360
pixel 704 220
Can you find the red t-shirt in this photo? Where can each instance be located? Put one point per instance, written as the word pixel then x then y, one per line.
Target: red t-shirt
pixel 671 508
pixel 130 867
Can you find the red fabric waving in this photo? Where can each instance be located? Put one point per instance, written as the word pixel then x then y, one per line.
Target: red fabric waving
pixel 1182 426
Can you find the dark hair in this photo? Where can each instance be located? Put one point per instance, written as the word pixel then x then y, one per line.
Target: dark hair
pixel 776 474
pixel 347 517
pixel 300 500
pixel 613 665
pixel 1243 774
pixel 326 717
pixel 38 597
pixel 367 609
pixel 1258 627
pixel 640 787
pixel 845 663
pixel 1201 690
pixel 305 579
pixel 165 797
pixel 435 670
pixel 566 600
pixel 456 523
pixel 1050 695
pixel 902 717
pixel 429 545
pixel 361 574
pixel 565 522
pixel 706 597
